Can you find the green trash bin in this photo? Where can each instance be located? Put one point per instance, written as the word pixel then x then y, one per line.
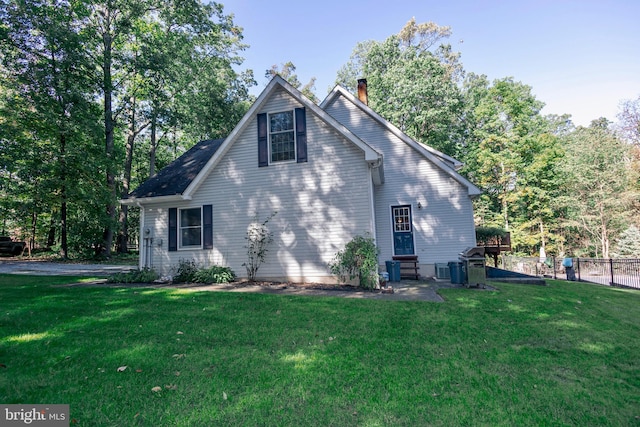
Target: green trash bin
pixel 456 272
pixel 393 268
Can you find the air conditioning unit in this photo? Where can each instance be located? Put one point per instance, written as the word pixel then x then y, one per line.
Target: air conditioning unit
pixel 442 271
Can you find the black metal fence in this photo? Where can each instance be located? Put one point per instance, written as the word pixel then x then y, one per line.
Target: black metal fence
pixel 610 272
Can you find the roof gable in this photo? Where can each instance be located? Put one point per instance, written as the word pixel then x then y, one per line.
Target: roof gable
pixel 447 163
pixel 182 177
pixel 370 155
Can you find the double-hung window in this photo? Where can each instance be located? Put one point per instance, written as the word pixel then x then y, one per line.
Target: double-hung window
pixel 190 228
pixel 282 138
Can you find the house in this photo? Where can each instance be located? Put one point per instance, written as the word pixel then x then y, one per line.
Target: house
pixel 330 171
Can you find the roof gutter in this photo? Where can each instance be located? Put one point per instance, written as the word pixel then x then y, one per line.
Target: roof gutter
pixel 139 201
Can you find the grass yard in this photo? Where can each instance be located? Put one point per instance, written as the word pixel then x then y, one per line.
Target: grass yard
pixel 565 354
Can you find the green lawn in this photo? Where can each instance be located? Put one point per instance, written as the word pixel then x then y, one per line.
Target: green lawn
pixel 565 354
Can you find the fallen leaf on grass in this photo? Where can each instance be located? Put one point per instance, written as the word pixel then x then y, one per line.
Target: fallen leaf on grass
pixel 171 387
pixel 156 389
pixel 179 356
pixel 138 370
pixel 224 395
pixel 122 368
pixel 180 333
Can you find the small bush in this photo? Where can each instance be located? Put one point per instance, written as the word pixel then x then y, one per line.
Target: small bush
pixel 185 271
pixel 258 240
pixel 146 275
pixel 214 274
pixel 358 259
pixel 188 271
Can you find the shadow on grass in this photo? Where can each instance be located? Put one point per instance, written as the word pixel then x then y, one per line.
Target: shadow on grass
pixel 524 355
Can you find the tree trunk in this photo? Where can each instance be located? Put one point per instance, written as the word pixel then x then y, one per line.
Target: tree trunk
pixel 51 237
pixel 123 236
pixel 4 216
pixel 34 222
pixel 152 148
pixel 63 222
pixel 109 143
pixel 63 197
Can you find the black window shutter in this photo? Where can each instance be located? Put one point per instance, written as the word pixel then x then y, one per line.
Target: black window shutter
pixel 173 229
pixel 301 134
pixel 263 148
pixel 207 227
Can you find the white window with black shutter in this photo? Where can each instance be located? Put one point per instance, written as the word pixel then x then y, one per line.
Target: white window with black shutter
pixel 282 137
pixel 191 228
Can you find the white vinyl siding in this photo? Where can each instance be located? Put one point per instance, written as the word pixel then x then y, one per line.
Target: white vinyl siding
pixel 320 204
pixel 443 225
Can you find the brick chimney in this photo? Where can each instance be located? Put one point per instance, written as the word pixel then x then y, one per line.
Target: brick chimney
pixel 362 91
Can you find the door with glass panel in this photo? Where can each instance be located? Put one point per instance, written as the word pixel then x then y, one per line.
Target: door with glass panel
pixel 402 230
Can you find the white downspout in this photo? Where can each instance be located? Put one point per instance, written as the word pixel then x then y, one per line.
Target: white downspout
pixel 142 251
pixel 372 201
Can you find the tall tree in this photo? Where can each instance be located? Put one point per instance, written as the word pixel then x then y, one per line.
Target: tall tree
pixel 185 51
pixel 503 125
pixel 110 21
pixel 597 190
pixel 413 82
pixel 46 62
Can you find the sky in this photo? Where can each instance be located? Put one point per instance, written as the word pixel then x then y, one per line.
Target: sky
pixel 580 57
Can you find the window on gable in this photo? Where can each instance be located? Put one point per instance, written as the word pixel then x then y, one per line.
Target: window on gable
pixel 190 232
pixel 282 139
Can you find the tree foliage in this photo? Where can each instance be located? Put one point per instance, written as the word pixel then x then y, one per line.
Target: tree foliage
pixel 287 72
pixel 511 151
pixel 628 244
pixel 412 82
pixel 534 170
pixel 49 113
pixel 159 73
pixel 629 117
pixel 597 193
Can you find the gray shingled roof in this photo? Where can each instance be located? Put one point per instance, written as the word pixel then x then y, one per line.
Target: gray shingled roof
pixel 176 176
